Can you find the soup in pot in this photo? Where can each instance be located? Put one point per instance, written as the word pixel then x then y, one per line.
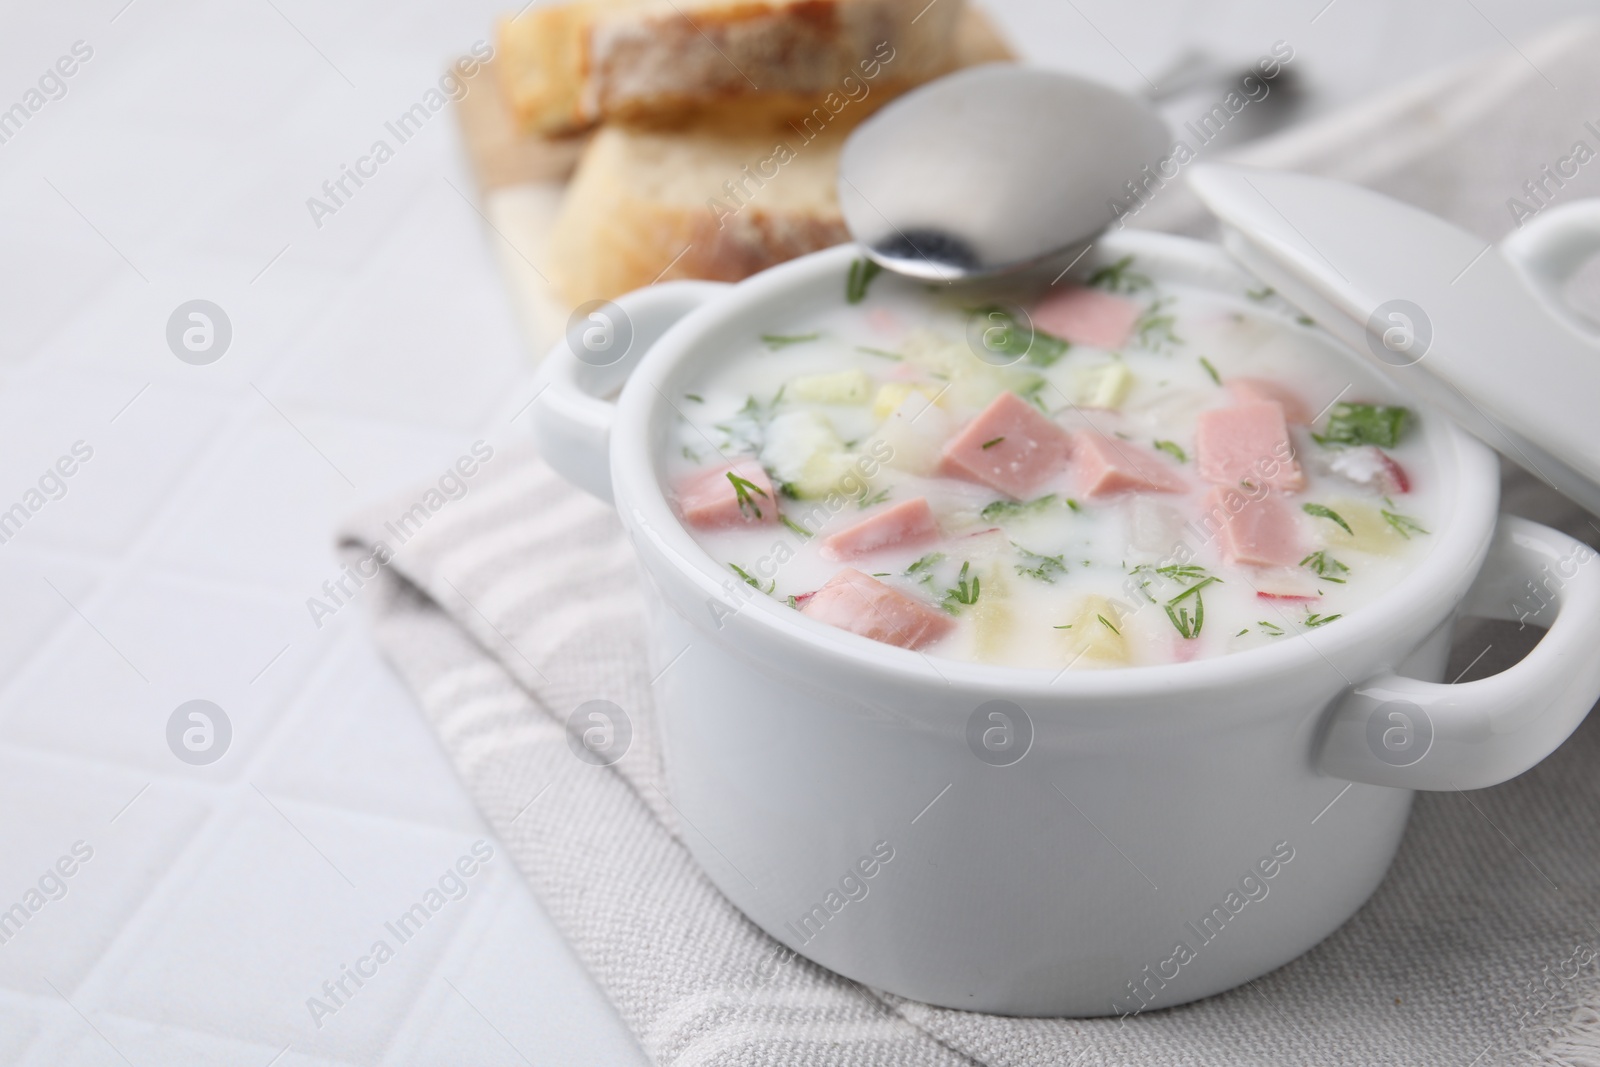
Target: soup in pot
pixel 1127 472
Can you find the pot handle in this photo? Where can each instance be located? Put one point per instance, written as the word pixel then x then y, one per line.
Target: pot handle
pixel 1397 731
pixel 1548 251
pixel 573 407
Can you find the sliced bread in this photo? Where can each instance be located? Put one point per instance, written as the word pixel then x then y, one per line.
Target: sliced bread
pixel 649 206
pixel 722 199
pixel 568 66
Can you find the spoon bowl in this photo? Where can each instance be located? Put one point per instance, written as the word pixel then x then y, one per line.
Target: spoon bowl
pixel 992 170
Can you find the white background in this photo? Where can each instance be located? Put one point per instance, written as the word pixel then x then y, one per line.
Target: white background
pixel 367 354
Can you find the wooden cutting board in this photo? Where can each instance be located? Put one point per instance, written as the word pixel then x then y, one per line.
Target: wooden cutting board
pixel 522 178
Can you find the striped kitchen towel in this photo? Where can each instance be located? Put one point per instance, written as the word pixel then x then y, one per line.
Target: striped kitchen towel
pixel 510 607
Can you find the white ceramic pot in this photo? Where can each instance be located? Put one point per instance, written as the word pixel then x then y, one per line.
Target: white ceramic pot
pixel 1100 841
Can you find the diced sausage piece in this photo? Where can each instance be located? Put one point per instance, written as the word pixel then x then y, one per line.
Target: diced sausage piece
pixel 710 499
pixel 1105 466
pixel 1087 317
pixel 1372 467
pixel 1262 390
pixel 1009 447
pixel 863 605
pixel 1261 531
pixel 905 525
pixel 1247 444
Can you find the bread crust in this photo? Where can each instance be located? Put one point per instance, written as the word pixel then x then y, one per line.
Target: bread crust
pixel 566 68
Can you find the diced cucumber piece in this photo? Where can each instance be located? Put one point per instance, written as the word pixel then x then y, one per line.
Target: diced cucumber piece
pixel 1103 386
pixel 803 451
pixel 844 387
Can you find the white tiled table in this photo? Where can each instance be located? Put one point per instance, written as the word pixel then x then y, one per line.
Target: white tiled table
pixel 366 355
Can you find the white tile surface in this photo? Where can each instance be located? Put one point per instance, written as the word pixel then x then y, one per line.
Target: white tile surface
pixel 139 443
pixel 33 608
pixel 117 835
pixel 284 896
pixel 108 682
pixel 367 353
pixel 348 748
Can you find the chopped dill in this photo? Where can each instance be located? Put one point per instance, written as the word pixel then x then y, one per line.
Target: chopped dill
pixel 1210 370
pixel 876 498
pixel 991 442
pixel 1008 337
pixel 746 430
pixel 1119 277
pixel 1173 449
pixel 1031 391
pixel 1188 626
pixel 1175 572
pixel 1365 424
pixel 923 567
pixel 1001 510
pixel 1325 567
pixel 1314 620
pixel 1107 624
pixel 862 271
pixel 796 527
pixel 742 489
pixel 1322 512
pixel 881 353
pixel 1043 568
pixel 1403 525
pixel 776 341
pixel 750 580
pixel 1155 327
pixel 965 593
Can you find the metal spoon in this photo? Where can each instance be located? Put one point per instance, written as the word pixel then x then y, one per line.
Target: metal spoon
pixel 1197 80
pixel 992 170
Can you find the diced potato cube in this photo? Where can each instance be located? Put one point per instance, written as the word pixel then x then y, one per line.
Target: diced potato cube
pixel 893 394
pixel 992 618
pixel 1103 386
pixel 1096 637
pixel 915 433
pixel 844 387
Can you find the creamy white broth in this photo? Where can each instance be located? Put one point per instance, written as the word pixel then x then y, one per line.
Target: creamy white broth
pixel 1061 580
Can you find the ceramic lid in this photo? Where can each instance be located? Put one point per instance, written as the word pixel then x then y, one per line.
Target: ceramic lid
pixel 1476 330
